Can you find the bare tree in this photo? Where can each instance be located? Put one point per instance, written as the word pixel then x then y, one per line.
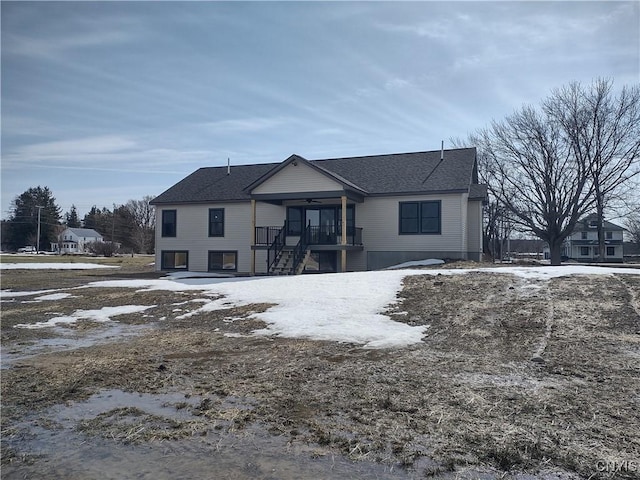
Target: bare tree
pixel 495 216
pixel 532 171
pixel 144 218
pixel 604 133
pixel 633 228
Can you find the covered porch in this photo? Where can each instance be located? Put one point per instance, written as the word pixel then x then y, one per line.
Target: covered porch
pixel 318 213
pixel 316 232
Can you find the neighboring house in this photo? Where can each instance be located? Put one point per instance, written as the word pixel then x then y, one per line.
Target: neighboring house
pixel 344 214
pixel 582 244
pixel 76 240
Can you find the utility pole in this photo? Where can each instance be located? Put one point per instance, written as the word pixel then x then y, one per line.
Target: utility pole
pixel 39 207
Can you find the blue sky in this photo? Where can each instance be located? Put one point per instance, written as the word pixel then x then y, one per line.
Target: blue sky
pixel 109 101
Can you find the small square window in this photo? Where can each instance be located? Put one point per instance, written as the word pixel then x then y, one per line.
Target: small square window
pixel 611 251
pixel 609 235
pixel 223 261
pixel 584 235
pixel 175 260
pixel 584 251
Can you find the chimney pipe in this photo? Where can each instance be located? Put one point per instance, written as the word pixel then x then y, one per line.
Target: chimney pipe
pixel 228 166
pixel 442 151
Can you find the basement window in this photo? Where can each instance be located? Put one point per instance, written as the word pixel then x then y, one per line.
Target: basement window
pixel 223 261
pixel 175 260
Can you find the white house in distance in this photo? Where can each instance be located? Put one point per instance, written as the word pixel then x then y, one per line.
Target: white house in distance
pixel 582 244
pixel 75 240
pixel 333 215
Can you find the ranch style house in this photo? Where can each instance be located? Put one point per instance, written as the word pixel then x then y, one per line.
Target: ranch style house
pixel 333 215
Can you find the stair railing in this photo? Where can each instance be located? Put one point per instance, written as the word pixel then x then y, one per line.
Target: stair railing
pixel 276 247
pixel 300 250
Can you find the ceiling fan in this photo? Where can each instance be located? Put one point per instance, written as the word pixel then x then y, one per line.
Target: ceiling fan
pixel 311 200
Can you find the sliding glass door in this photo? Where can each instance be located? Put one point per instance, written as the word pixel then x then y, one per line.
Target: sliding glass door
pixel 322 222
pixel 325 223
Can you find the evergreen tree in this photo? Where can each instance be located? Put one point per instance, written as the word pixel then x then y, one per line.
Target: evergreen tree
pixel 71 218
pixel 22 228
pixel 99 220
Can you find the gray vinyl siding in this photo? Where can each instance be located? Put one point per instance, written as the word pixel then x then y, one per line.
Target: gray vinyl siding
pixel 464 217
pixel 261 261
pixel 297 178
pixel 384 246
pixel 379 217
pixel 474 229
pixel 460 237
pixel 192 232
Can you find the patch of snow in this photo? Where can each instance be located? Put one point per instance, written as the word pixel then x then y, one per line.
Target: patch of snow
pixel 54 296
pixel 549 272
pixel 417 263
pixel 53 266
pixel 11 294
pixel 102 315
pixel 343 307
pixel 180 275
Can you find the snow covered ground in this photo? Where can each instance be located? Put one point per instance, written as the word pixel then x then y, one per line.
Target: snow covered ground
pixel 53 266
pixel 102 315
pixel 417 263
pixel 344 307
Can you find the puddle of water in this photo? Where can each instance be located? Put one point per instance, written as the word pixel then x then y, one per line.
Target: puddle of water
pixel 53 447
pixel 61 451
pixel 69 340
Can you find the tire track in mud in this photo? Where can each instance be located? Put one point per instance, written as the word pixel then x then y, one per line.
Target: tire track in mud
pixel 634 296
pixel 537 356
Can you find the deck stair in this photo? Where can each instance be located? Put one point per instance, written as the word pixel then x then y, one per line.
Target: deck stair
pixel 284 264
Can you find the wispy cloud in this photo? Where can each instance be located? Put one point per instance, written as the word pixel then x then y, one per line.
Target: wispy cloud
pixel 77 147
pixel 20 125
pixel 109 153
pixel 242 125
pixel 52 47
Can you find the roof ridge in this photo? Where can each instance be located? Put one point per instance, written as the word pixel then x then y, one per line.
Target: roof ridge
pixel 392 154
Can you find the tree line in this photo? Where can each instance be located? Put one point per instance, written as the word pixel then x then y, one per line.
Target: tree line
pixel 546 167
pixel 130 226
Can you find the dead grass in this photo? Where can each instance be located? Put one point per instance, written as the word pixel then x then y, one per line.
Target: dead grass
pixel 469 396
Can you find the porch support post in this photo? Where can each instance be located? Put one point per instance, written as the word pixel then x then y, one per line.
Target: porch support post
pixel 253 236
pixel 343 266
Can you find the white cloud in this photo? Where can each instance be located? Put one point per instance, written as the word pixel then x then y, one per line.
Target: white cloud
pixel 77 147
pixel 241 125
pixel 52 47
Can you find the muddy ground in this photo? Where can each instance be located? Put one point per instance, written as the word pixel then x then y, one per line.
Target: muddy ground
pixel 515 379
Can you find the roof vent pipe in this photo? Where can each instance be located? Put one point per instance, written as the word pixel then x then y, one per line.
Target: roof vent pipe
pixel 442 151
pixel 228 166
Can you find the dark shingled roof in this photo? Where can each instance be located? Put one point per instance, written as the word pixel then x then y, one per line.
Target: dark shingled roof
pixel 212 184
pixel 401 173
pixel 477 192
pixel 583 224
